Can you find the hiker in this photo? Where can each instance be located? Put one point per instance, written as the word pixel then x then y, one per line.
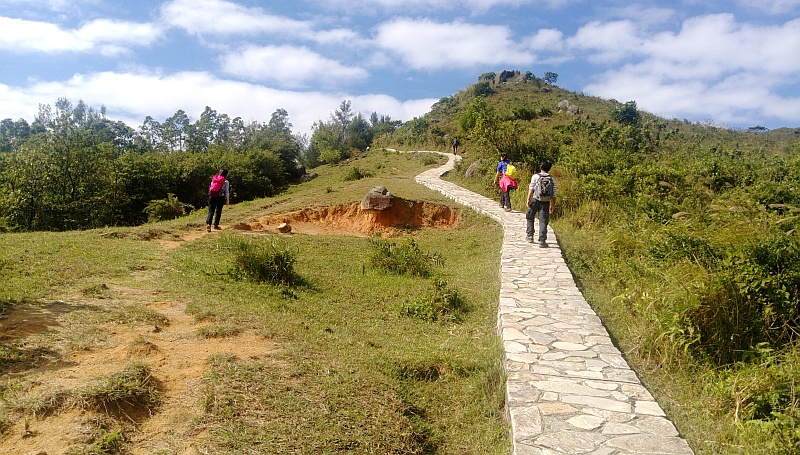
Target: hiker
pixel 219 194
pixel 542 200
pixel 455 146
pixel 506 175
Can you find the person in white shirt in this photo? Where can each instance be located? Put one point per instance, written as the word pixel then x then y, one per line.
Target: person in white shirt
pixel 541 200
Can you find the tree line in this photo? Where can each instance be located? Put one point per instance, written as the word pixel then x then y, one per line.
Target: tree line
pixel 74 168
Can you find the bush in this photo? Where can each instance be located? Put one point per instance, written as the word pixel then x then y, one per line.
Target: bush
pixel 761 394
pixel 429 159
pixel 440 303
pixel 355 173
pixel 263 261
pixel 402 258
pixel 166 209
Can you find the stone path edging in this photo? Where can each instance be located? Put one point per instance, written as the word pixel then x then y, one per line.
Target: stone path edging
pixel 568 388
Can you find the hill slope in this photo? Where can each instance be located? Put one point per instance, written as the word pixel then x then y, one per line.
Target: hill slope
pixel 163 339
pixel 683 238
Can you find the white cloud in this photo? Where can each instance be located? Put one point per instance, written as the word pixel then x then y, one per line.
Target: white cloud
pixel 719 43
pixel 462 7
pixel 429 45
pixel 551 40
pixel 19 35
pixel 101 35
pixel 220 17
pixel 733 100
pixel 160 96
pixel 645 15
pixel 772 6
pixel 714 68
pixel 289 66
pixel 607 42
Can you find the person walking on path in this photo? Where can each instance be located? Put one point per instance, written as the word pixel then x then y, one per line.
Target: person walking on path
pixel 542 200
pixel 219 194
pixel 455 146
pixel 506 182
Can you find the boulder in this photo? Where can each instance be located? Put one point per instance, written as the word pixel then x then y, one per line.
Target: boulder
pixel 569 108
pixel 378 198
pixel 284 228
pixel 505 75
pixel 472 168
pixel 309 176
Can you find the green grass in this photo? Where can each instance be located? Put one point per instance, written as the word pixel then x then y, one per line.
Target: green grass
pixel 349 373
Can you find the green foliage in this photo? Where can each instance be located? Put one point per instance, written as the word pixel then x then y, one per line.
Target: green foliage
pixel 355 173
pixel 483 88
pixel 75 169
pixel 402 258
pixel 166 209
pixel 440 303
pixel 627 114
pixel 760 396
pixel 429 159
pixel 111 442
pixel 261 260
pixel 525 112
pixel 684 236
pixel 332 141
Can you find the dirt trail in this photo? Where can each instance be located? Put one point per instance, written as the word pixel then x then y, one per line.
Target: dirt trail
pixel 175 352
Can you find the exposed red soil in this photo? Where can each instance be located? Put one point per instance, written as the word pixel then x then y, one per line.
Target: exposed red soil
pixel 351 219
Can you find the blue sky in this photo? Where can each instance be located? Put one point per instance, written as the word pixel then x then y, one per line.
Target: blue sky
pixel 728 63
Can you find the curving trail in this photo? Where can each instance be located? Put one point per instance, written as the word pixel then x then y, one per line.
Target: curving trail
pixel 569 390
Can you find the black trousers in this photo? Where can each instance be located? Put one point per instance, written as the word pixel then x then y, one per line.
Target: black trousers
pixel 215 205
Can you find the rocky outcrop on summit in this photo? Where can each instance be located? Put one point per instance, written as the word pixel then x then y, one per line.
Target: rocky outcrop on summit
pixel 505 75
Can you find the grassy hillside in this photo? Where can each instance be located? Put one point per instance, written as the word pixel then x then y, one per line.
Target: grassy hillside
pixel 683 237
pixel 163 339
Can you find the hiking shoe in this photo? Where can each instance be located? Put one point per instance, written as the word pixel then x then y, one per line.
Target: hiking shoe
pixel 542 244
pixel 529 239
pixel 208 228
pixel 217 228
pixel 508 209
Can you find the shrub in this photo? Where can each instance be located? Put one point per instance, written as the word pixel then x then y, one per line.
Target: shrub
pixel 761 393
pixel 166 209
pixel 402 258
pixel 355 173
pixel 429 159
pixel 440 303
pixel 263 261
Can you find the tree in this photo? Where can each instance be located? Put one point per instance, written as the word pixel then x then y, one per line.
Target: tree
pixel 482 89
pixel 175 131
pixel 627 114
pixel 550 78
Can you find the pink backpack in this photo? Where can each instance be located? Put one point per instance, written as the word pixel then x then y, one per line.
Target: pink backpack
pixel 215 189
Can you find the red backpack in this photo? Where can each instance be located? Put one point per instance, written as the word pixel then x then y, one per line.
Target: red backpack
pixel 215 189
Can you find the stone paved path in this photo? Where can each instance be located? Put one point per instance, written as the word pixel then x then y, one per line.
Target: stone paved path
pixel 569 390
